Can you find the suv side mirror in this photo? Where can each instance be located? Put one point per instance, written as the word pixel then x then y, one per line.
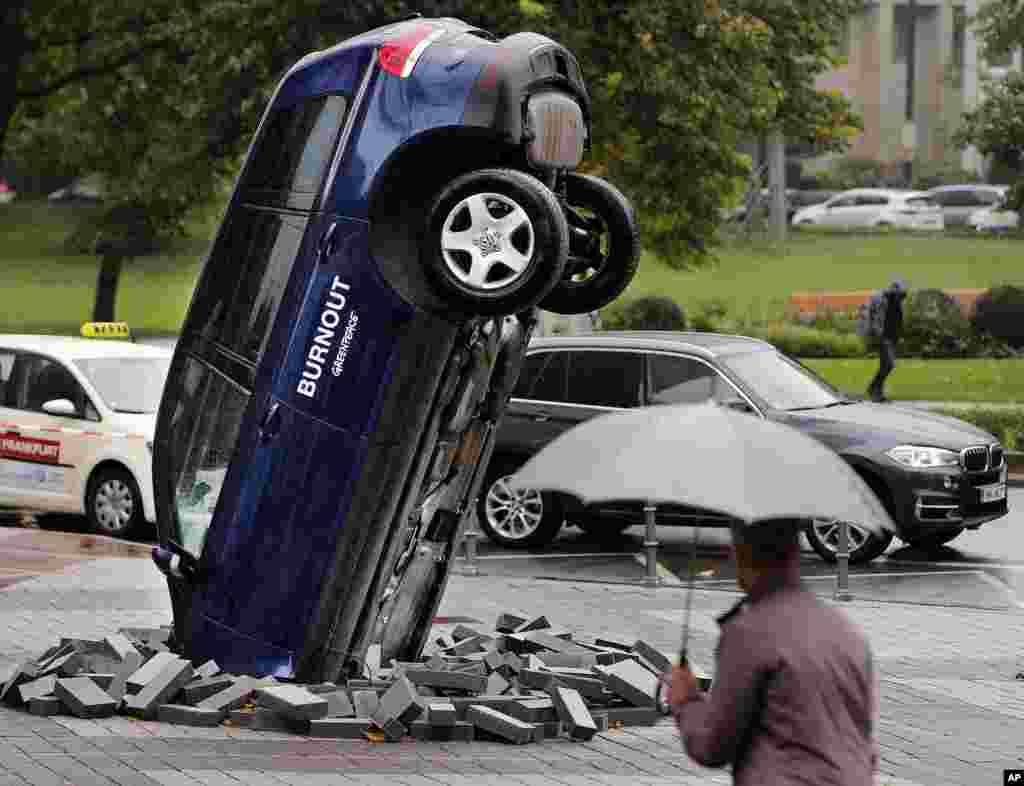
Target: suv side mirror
pixel 60 406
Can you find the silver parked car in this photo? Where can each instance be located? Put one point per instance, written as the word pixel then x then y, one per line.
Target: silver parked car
pixel 959 202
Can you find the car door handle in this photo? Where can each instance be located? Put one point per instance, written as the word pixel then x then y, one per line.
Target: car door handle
pixel 271 423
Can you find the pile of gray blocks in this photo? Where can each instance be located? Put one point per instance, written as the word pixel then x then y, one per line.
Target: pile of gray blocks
pixel 522 682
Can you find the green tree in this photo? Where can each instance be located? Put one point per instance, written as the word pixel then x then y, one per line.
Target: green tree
pixel 677 86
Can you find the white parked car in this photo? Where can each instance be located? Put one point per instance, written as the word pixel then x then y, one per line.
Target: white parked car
pixel 997 218
pixel 959 202
pixel 76 427
pixel 874 208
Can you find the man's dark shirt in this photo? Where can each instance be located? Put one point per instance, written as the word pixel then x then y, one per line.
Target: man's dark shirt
pixel 794 699
pixel 893 326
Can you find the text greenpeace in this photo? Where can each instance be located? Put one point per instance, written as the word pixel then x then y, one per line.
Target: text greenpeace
pixel 326 331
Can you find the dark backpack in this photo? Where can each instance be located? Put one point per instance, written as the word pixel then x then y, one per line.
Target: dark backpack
pixel 871 319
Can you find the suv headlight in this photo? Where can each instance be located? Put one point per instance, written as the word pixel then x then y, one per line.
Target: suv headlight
pixel 919 457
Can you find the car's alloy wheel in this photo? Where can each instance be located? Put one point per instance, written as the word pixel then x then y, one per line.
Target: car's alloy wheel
pixel 113 504
pixel 517 518
pixel 495 242
pixel 823 535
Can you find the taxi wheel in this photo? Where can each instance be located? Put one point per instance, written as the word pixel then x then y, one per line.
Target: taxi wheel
pixel 604 247
pixel 496 242
pixel 517 518
pixel 113 503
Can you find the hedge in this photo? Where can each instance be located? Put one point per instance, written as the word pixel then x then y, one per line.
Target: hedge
pixel 1006 423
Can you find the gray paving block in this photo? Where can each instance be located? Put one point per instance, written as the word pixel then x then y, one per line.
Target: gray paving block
pixel 553 643
pixel 365 702
pixel 121 646
pixel 264 719
pixel 372 662
pixel 600 720
pixel 377 685
pixel 429 693
pixel 449 680
pixel 441 713
pixel 119 687
pixel 533 710
pixel 435 663
pixel 631 681
pixel 656 658
pixel 188 716
pixel 394 730
pixel 582 660
pixel 400 702
pixel 150 669
pixel 494 660
pixel 197 690
pixel 500 724
pixel 467 646
pixel 339 705
pixel 471 667
pixel 86 646
pixel 161 689
pixel 463 703
pixel 496 684
pixel 84 697
pixel 444 642
pixel 66 665
pixel 459 731
pixel 462 632
pixel 633 716
pixel 103 680
pixel 610 656
pixel 340 728
pixel 230 698
pixel 40 687
pixel 573 713
pixel 535 678
pixel 610 642
pixel 507 622
pixel 46 706
pixel 323 687
pixel 539 732
pixel 537 623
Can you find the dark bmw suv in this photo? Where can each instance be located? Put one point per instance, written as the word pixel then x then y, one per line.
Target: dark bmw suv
pixel 936 475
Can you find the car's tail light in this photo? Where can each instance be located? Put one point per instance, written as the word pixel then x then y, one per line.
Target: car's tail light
pixel 559 132
pixel 399 55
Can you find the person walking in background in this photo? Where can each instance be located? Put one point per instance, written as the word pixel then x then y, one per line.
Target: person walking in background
pixel 891 329
pixel 794 697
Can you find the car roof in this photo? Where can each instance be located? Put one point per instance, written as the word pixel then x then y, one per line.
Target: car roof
pixel 969 186
pixel 70 347
pixel 709 345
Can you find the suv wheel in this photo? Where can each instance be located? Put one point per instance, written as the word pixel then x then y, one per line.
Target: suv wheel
pixel 823 536
pixel 604 247
pixel 517 518
pixel 496 242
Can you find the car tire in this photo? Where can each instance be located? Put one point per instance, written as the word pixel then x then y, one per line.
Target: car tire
pixel 864 546
pixel 464 226
pixel 604 247
pixel 602 529
pixel 113 503
pixel 517 519
pixel 934 539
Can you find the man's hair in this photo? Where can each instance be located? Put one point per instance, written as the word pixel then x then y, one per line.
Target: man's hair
pixel 772 540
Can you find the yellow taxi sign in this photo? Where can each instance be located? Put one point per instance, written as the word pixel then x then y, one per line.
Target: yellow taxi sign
pixel 105 330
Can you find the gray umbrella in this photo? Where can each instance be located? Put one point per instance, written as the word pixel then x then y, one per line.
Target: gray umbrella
pixel 708 457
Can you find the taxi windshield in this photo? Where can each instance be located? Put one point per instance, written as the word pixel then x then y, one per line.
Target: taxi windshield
pixel 129 385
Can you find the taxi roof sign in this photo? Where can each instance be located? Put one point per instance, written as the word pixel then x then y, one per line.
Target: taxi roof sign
pixel 105 330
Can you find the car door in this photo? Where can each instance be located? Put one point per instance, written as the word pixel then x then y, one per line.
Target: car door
pixel 44 454
pixel 840 211
pixel 535 413
pixel 869 209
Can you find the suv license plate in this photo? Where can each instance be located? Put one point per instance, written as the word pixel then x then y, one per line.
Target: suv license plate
pixel 993 492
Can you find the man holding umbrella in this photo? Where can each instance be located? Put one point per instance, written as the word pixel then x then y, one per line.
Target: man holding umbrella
pixel 795 696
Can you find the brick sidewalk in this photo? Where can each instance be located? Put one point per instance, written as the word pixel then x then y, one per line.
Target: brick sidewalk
pixel 951 711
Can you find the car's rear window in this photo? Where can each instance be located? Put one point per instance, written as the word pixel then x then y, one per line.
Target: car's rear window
pixel 294 149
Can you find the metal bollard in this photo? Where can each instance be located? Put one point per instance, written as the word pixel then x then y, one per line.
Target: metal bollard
pixel 843 558
pixel 469 538
pixel 651 544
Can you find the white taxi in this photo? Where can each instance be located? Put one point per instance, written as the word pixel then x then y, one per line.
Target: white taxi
pixel 76 425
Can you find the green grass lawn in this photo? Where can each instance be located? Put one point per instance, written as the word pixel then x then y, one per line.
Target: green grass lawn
pixel 49 291
pixel 995 381
pixel 755 281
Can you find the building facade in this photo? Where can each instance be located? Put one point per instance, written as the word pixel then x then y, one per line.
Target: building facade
pixel 913 68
